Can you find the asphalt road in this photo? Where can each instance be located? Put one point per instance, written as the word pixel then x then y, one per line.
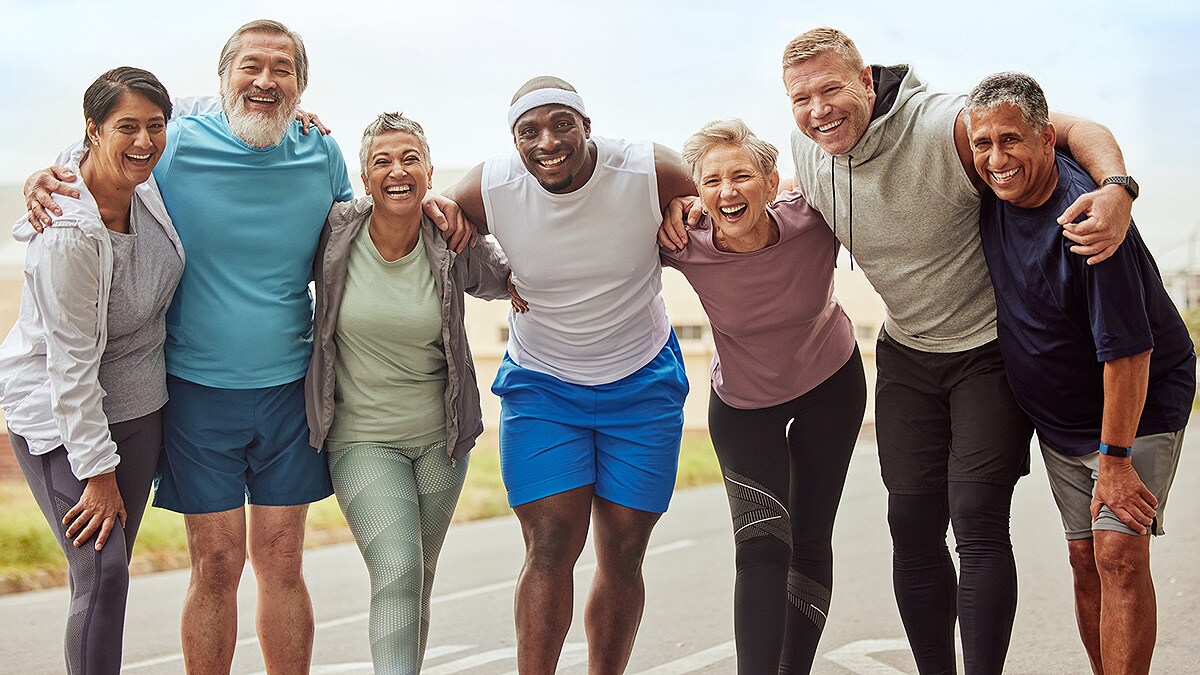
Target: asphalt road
pixel 689 575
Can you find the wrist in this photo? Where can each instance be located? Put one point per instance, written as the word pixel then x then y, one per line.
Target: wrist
pixel 1115 451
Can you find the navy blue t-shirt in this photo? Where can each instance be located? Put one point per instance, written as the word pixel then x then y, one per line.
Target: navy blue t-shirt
pixel 1059 319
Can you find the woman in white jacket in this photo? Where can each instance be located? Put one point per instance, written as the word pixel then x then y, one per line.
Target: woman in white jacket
pixel 82 373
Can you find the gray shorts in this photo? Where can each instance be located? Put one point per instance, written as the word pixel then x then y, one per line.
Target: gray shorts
pixel 1073 481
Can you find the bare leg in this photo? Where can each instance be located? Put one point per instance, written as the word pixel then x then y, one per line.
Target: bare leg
pixel 1128 611
pixel 618 593
pixel 555 530
pixel 1087 598
pixel 217 545
pixel 285 615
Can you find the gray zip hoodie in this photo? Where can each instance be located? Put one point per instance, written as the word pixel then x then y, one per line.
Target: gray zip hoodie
pixel 481 271
pixel 900 201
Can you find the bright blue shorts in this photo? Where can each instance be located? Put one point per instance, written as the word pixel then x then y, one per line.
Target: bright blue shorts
pixel 622 437
pixel 224 447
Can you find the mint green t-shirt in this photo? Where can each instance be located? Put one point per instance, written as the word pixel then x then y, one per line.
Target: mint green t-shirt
pixel 390 364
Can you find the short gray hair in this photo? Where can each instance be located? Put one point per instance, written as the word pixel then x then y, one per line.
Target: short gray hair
pixel 733 132
pixel 390 121
pixel 1011 88
pixel 270 27
pixel 811 44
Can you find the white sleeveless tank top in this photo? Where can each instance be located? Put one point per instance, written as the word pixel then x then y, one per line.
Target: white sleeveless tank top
pixel 585 261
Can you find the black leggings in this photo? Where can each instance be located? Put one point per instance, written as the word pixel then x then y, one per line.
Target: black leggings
pixel 984 597
pixel 787 459
pixel 99 579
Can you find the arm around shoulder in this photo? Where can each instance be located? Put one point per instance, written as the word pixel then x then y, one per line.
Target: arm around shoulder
pixel 483 271
pixel 674 178
pixel 468 194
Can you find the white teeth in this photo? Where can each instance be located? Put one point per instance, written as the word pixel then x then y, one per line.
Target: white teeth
pixel 553 162
pixel 260 99
pixel 730 210
pixel 831 126
pixel 1006 175
pixel 140 158
pixel 399 189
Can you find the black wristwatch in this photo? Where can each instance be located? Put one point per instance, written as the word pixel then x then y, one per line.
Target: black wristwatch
pixel 1126 182
pixel 1113 450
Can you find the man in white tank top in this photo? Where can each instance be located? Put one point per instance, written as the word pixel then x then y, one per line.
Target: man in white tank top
pixel 592 386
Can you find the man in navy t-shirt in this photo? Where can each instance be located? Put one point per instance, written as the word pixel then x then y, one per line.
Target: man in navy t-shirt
pixel 1097 355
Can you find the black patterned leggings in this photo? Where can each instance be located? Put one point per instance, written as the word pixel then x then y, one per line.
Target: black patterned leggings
pixel 784 469
pixel 99 579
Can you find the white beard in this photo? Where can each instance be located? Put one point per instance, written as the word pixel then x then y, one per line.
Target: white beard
pixel 259 130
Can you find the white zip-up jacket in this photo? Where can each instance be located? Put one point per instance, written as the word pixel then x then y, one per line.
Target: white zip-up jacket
pixel 50 361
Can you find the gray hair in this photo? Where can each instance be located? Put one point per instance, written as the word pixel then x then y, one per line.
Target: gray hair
pixel 272 28
pixel 811 44
pixel 386 122
pixel 733 132
pixel 1011 88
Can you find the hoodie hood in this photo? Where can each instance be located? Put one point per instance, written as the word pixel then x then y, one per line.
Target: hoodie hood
pixel 894 87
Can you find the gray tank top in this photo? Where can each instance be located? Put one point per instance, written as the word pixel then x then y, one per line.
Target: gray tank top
pixel 146 269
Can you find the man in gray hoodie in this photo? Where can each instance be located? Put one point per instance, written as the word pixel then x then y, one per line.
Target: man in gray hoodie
pixel 889 166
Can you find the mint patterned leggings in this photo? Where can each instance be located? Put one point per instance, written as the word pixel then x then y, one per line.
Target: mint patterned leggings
pixel 398 502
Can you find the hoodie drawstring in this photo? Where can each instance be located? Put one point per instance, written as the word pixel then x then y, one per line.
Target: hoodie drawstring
pixel 833 184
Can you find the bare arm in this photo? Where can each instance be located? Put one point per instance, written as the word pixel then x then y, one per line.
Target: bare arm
pixel 676 198
pixel 1118 485
pixel 468 193
pixel 1107 208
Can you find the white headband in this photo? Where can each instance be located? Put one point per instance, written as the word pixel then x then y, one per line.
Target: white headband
pixel 540 97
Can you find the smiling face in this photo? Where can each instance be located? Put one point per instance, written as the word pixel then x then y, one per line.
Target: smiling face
pixel 260 91
pixel 127 143
pixel 831 101
pixel 735 193
pixel 1015 159
pixel 552 141
pixel 397 173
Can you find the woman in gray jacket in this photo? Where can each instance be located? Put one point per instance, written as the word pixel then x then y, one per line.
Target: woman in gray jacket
pixel 82 373
pixel 391 389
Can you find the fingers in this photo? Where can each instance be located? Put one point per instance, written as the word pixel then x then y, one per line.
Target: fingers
pixel 92 524
pixel 1086 231
pixel 1080 205
pixel 1102 255
pixel 695 212
pixel 673 232
pixel 106 529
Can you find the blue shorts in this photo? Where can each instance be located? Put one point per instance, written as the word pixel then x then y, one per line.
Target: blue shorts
pixel 224 447
pixel 623 437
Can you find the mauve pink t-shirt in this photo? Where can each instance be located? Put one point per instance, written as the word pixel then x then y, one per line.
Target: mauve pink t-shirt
pixel 777 328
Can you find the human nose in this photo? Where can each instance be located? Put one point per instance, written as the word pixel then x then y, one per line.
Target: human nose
pixel 142 138
pixel 264 79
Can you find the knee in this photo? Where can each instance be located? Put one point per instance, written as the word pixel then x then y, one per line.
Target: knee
pixel 1123 564
pixel 217 567
pixel 917 522
pixel 553 549
pixel 1082 558
pixel 762 551
pixel 979 513
pixel 278 558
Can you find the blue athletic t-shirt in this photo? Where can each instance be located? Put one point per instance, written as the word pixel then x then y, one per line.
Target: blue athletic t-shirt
pixel 1059 319
pixel 249 219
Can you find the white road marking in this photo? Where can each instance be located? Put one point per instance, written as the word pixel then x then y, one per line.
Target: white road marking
pixel 695 661
pixel 856 656
pixel 437 599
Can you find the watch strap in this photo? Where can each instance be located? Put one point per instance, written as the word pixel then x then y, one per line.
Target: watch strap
pixel 1114 450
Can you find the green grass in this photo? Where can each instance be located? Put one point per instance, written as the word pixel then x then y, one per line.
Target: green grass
pixel 30 558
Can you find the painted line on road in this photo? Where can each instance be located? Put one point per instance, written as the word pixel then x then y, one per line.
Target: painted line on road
pixel 437 599
pixel 695 661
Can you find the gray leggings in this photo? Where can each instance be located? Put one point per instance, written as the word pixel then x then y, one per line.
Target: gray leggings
pixel 398 502
pixel 99 579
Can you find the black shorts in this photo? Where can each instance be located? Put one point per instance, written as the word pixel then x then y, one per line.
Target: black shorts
pixel 946 417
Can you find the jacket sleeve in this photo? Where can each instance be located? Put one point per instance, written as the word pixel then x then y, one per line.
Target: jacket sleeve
pixel 482 270
pixel 65 282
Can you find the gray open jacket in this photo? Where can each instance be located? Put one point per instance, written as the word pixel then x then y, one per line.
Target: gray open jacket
pixel 481 271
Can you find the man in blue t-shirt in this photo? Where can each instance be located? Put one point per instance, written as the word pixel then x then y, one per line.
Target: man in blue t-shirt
pixel 1097 355
pixel 248 192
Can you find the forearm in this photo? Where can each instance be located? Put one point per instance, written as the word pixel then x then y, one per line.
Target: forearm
pixel 1125 383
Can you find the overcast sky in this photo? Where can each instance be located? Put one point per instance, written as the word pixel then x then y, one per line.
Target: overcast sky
pixel 647 70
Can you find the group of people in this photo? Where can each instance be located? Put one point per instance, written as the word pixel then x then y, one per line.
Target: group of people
pixel 211 372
